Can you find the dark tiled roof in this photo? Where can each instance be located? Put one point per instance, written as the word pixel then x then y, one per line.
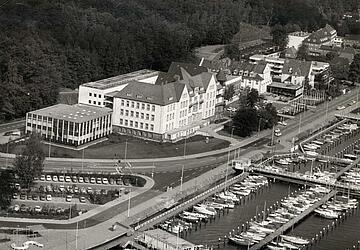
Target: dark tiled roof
pixel 221 77
pixel 192 69
pixel 323 33
pixel 296 67
pixel 291 52
pixel 151 93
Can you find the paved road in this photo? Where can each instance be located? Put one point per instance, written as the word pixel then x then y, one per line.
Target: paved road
pixel 11 126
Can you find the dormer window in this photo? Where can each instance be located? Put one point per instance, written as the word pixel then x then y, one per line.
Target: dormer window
pixel 149 98
pixel 128 94
pixel 171 98
pixel 139 96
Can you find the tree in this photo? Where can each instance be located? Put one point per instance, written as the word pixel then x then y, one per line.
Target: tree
pixel 302 52
pixel 279 36
pixel 245 121
pixel 268 115
pixel 229 92
pixel 340 68
pixel 252 98
pixel 5 189
pixel 29 163
pixel 354 70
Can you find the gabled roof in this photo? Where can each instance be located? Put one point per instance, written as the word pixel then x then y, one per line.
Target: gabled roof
pixel 192 69
pixel 321 34
pixel 291 52
pixel 296 67
pixel 163 94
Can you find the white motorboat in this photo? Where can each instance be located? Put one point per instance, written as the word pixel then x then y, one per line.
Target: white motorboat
pixel 295 240
pixel 201 208
pixel 198 215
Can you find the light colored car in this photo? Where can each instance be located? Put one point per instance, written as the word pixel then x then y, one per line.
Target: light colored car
pixel 55 178
pixel 277 130
pixel 42 177
pixel 282 123
pixel 37 209
pixel 105 181
pixel 68 198
pixel 82 199
pixel 278 134
pixel 89 190
pixel 81 179
pixel 67 179
pixel 16 208
pixel 74 179
pixel 340 107
pixel 61 178
pixel 98 180
pixel 48 197
pixel 62 188
pixel 92 180
pixel 48 178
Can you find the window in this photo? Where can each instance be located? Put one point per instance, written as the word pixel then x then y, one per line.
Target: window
pixel 143 106
pixel 142 115
pixel 131 123
pixel 132 113
pixel 153 107
pixel 122 102
pixel 127 112
pixel 132 104
pixel 136 124
pixel 126 122
pixel 89 101
pixel 90 94
pixel 147 116
pixel 127 103
pixel 152 127
pixel 94 102
pixel 137 114
pixel 99 103
pixel 99 96
pixel 121 121
pixel 121 112
pixel 137 105
pixel 141 125
pixel 152 117
pixel 146 126
pixel 94 95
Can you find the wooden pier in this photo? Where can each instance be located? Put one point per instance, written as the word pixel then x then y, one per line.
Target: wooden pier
pixel 342 171
pixel 292 222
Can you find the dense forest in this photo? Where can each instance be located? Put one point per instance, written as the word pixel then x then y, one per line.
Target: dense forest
pixel 45 45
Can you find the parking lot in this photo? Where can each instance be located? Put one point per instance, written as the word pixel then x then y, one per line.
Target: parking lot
pixel 61 194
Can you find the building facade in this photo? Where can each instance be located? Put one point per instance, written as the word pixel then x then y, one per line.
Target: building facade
pixel 72 125
pixel 165 111
pixel 296 39
pixel 93 93
pixel 323 36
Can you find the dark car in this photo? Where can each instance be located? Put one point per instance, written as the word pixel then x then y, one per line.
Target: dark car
pixel 29 196
pixel 23 208
pixel 22 196
pixel 42 197
pixel 35 197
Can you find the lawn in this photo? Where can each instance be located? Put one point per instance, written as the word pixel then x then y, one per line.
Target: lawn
pixel 136 148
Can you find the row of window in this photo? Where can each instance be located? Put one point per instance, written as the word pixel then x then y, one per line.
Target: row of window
pixel 39 117
pixel 137 114
pixel 137 105
pixel 170 116
pixel 136 124
pixel 95 95
pixel 98 103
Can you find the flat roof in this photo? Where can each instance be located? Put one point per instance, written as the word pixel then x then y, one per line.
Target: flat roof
pixel 299 33
pixel 285 85
pixel 169 238
pixel 121 79
pixel 74 113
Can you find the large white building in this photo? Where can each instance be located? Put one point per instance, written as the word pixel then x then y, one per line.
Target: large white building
pixel 73 125
pixel 176 106
pixel 296 39
pixel 93 93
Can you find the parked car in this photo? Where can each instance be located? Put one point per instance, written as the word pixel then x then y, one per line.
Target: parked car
pixel 74 179
pixel 82 199
pixel 48 197
pixel 23 208
pixel 89 190
pixel 43 197
pixel 92 180
pixel 86 179
pixel 105 181
pixel 68 198
pixel 48 178
pixel 61 188
pixel 98 180
pixel 55 178
pixel 35 197
pixel 278 134
pixel 17 186
pixel 81 179
pixel 22 196
pixel 37 209
pixel 15 196
pixel 16 208
pixel 42 177
pixel 67 179
pixel 340 107
pixel 111 181
pixel 61 178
